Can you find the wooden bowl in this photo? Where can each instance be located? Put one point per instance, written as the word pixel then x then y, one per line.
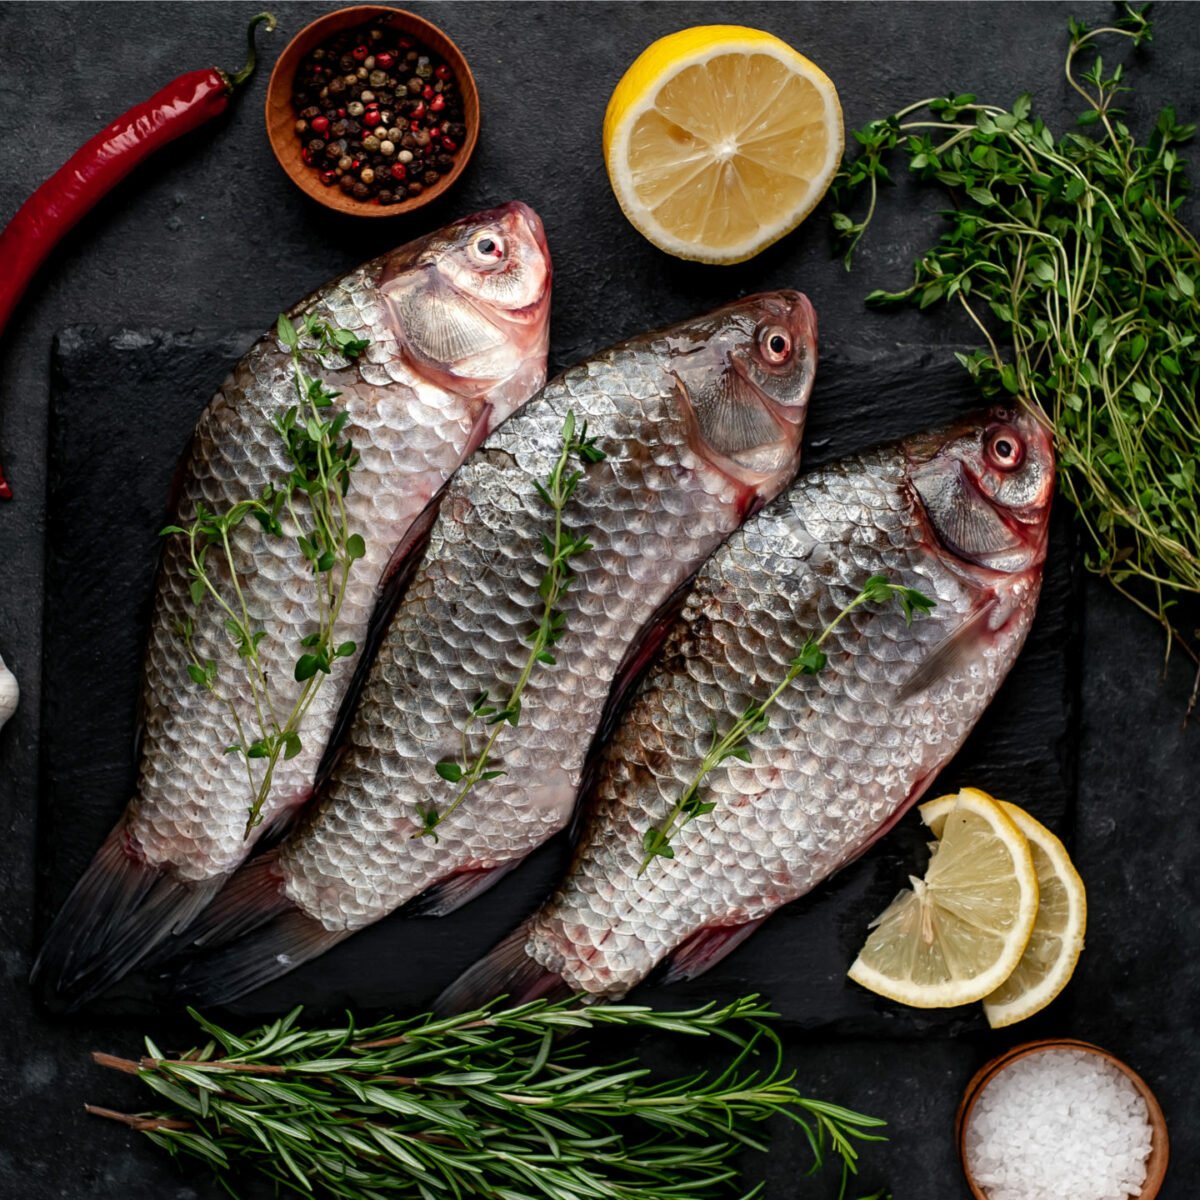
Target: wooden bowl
pixel 281 117
pixel 1156 1164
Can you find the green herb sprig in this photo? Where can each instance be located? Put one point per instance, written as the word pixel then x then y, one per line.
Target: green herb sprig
pixel 495 1103
pixel 321 461
pixel 559 546
pixel 811 659
pixel 1069 256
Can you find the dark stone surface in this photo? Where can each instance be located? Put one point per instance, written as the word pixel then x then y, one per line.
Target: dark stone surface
pixel 210 235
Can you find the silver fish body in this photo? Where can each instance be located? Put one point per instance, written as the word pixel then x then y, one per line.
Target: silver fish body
pixel 458 329
pixel 699 425
pixel 845 751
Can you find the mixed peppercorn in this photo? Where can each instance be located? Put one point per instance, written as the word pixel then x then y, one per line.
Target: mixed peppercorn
pixel 378 114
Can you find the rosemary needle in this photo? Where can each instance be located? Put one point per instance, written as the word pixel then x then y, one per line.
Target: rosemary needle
pixel 514 1104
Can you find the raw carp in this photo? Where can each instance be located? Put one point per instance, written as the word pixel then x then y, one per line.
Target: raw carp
pixel 700 425
pixel 961 516
pixel 458 329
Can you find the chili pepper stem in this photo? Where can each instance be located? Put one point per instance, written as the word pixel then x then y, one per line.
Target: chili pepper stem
pixel 235 81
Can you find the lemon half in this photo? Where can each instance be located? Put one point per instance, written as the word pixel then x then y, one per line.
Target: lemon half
pixel 959 933
pixel 1057 939
pixel 721 139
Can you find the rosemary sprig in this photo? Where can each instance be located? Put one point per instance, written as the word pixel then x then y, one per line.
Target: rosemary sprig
pixel 321 461
pixel 494 1103
pixel 656 842
pixel 560 546
pixel 1072 249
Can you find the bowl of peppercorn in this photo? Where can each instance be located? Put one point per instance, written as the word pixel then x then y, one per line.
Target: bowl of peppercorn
pixel 372 111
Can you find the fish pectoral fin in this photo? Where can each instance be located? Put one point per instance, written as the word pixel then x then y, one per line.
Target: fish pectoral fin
pixel 948 654
pixel 705 948
pixel 456 890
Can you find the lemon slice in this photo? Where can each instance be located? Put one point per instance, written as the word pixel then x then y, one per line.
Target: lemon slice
pixel 960 932
pixel 721 139
pixel 1057 939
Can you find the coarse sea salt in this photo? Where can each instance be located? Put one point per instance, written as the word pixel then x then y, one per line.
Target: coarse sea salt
pixel 1059 1124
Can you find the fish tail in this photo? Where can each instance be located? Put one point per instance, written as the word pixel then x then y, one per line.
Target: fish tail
pixel 119 911
pixel 252 896
pixel 253 933
pixel 509 971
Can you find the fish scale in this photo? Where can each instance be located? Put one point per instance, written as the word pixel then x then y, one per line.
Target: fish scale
pixel 659 502
pixel 843 753
pixel 465 625
pixel 191 804
pixel 411 417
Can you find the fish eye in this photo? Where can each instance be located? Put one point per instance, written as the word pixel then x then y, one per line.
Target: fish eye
pixel 775 344
pixel 1004 449
pixel 488 249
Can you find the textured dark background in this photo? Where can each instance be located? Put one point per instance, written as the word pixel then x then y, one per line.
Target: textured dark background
pixel 208 241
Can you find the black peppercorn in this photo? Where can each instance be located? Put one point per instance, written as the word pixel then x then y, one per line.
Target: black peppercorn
pixel 375 115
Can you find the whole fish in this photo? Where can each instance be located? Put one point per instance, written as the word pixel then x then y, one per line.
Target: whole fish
pixel 458 324
pixel 960 515
pixel 700 424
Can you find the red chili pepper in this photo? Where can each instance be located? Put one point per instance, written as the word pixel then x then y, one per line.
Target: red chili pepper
pixel 100 164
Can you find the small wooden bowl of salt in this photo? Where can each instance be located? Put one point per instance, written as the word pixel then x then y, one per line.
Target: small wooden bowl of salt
pixel 1062 1114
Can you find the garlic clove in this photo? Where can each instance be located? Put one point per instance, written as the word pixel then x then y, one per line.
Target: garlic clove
pixel 10 693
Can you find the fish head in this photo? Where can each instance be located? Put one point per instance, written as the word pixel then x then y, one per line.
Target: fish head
pixel 985 485
pixel 745 375
pixel 470 305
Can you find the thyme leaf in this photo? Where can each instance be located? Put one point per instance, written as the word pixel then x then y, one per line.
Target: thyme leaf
pixel 494 1103
pixel 559 546
pixel 312 496
pixel 809 660
pixel 1068 255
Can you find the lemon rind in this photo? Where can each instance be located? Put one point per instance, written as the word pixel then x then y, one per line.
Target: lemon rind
pixel 619 127
pixel 955 993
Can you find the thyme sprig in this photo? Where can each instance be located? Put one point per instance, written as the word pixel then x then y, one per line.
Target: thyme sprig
pixel 1069 256
pixel 313 498
pixel 494 1103
pixel 657 841
pixel 559 547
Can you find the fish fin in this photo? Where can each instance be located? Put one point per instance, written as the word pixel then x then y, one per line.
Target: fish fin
pixel 275 942
pixel 252 896
pixel 455 890
pixel 637 658
pixel 506 970
pixel 948 654
pixel 705 948
pixel 119 911
pixel 479 431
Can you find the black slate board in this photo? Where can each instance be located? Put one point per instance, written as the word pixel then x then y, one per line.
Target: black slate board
pixel 105 507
